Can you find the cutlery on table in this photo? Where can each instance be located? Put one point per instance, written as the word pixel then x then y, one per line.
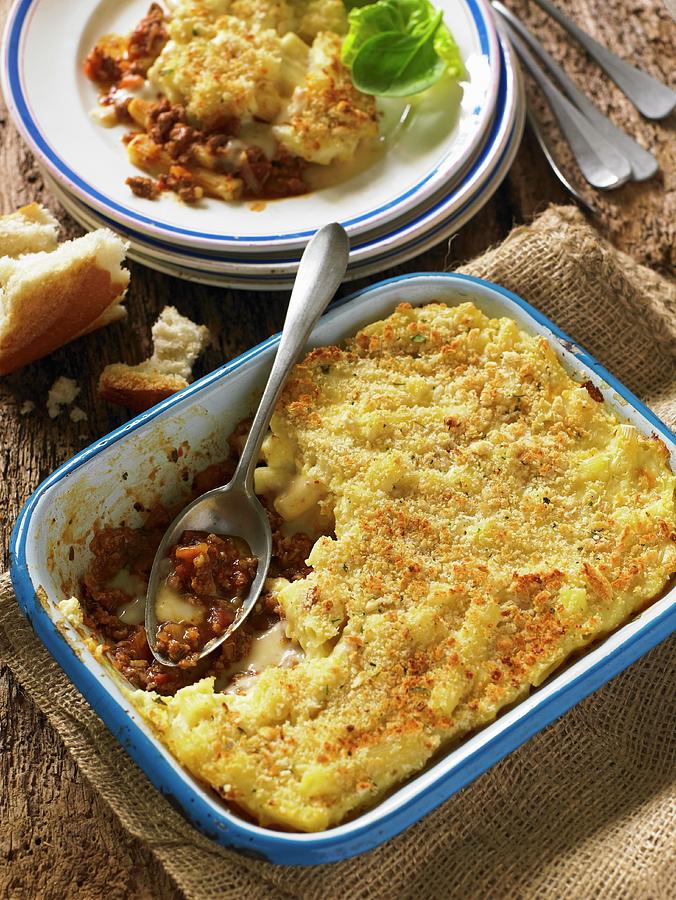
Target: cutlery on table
pixel 602 165
pixel 643 164
pixel 551 159
pixel 649 95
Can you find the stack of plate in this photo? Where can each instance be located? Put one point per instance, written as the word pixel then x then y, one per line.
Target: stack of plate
pixel 444 158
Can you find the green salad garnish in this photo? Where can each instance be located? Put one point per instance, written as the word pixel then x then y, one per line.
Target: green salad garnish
pixel 398 47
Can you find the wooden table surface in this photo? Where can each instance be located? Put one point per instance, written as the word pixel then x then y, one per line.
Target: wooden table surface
pixel 57 838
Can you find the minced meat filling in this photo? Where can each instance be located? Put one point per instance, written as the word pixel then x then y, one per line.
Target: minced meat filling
pixel 213 574
pixel 127 550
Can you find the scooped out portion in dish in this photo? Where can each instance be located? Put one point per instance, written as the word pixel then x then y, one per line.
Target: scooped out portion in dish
pixel 208 578
pixel 468 516
pixel 235 99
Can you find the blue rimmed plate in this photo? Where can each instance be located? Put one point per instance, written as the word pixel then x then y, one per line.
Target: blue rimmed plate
pixel 442 217
pixel 89 162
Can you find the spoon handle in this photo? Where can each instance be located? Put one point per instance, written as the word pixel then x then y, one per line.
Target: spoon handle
pixel 650 96
pixel 320 272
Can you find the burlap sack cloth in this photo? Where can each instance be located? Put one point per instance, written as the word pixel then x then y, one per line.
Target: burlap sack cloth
pixel 584 809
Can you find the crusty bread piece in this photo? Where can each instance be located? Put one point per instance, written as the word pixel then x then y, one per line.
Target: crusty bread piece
pixel 31 229
pixel 177 342
pixel 49 298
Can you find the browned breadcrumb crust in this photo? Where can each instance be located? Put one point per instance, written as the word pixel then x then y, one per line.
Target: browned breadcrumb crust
pixel 492 518
pixel 191 134
pixel 330 106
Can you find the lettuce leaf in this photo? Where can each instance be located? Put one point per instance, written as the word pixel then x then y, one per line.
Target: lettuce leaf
pixel 398 47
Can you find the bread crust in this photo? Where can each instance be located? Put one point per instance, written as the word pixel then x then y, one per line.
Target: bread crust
pixel 31 229
pixel 107 317
pixel 35 213
pixel 55 311
pixel 136 388
pixel 177 342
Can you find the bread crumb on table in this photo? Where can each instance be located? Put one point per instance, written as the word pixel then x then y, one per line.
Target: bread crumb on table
pixel 77 414
pixel 62 393
pixel 177 342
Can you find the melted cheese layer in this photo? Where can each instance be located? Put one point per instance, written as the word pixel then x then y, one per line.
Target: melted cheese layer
pixel 491 517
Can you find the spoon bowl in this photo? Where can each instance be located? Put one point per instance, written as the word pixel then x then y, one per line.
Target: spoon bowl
pixel 231 511
pixel 234 510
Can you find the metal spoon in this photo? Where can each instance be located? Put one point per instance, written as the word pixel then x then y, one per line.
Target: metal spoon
pixel 643 164
pixel 551 159
pixel 650 96
pixel 601 164
pixel 234 509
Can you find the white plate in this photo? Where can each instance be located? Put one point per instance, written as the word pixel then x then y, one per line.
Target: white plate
pixel 479 183
pixel 52 112
pixel 458 220
pixel 436 222
pixel 267 279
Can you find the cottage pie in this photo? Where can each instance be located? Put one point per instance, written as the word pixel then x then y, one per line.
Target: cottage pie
pixel 454 516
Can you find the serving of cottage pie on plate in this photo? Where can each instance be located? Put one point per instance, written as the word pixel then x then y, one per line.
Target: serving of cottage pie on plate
pixel 215 107
pixel 233 100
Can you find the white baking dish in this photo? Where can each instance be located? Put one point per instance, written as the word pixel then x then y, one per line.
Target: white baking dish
pixel 147 459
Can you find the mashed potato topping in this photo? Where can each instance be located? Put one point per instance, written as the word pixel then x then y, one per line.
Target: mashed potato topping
pixel 326 118
pixel 275 62
pixel 492 516
pixel 235 99
pixel 220 69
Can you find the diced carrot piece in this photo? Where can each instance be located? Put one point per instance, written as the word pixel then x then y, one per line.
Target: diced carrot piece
pixel 190 553
pixel 132 82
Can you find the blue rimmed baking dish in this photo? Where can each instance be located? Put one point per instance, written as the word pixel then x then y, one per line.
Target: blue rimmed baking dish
pixel 150 457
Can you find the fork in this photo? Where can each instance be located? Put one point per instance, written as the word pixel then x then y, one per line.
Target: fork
pixel 567 185
pixel 602 165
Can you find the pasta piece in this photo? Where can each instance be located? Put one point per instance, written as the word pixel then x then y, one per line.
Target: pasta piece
pixel 301 494
pixel 139 110
pixel 151 157
pixel 147 155
pixel 296 58
pixel 216 184
pixel 204 156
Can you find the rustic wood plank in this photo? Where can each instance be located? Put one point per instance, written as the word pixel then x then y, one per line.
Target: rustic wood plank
pixel 58 838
